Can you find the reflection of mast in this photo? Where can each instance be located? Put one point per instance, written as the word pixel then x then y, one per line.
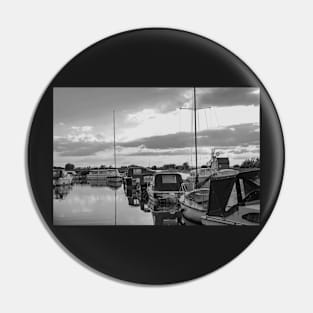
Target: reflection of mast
pixel 115 208
pixel 114 138
pixel 196 143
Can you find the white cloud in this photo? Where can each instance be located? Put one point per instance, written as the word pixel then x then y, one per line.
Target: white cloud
pixel 86 128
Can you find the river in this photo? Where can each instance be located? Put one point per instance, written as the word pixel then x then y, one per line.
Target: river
pixel 85 204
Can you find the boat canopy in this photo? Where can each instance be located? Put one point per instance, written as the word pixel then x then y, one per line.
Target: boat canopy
pixel 220 191
pixel 248 184
pixel 167 181
pixel 249 173
pixel 137 171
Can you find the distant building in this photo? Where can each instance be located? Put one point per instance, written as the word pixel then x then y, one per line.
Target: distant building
pixel 223 163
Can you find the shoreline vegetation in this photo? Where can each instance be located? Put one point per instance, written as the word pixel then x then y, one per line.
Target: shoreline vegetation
pixel 185 167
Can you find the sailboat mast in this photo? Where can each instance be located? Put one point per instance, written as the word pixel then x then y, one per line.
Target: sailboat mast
pixel 114 138
pixel 196 143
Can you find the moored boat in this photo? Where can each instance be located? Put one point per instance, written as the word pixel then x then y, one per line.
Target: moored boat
pixel 61 177
pixel 216 166
pixel 248 215
pixel 245 211
pixel 195 203
pixel 113 175
pixel 97 175
pixel 163 193
pixel 165 189
pixel 137 180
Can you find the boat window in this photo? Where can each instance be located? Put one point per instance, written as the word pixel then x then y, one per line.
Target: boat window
pixel 137 171
pixel 242 188
pixel 232 201
pixel 169 179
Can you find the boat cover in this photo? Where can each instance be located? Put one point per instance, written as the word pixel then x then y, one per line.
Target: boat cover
pixel 167 182
pixel 250 180
pixel 220 191
pixel 137 172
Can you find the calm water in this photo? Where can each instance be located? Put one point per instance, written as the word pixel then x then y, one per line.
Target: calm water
pixel 96 205
pixel 89 204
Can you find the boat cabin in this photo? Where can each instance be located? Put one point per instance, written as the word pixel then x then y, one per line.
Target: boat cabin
pixel 225 209
pixel 138 171
pixel 164 192
pixel 167 182
pixel 138 175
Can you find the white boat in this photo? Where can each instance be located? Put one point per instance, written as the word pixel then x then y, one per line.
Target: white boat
pixel 195 203
pixel 113 175
pixel 61 177
pixel 104 175
pixel 229 200
pixel 247 215
pixel 97 175
pixel 213 168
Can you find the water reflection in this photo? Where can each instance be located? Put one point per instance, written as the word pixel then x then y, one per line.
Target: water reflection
pixel 100 203
pixel 60 192
pixel 96 203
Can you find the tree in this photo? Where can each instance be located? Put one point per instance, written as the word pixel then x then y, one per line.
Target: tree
pixel 69 167
pixel 251 163
pixel 186 166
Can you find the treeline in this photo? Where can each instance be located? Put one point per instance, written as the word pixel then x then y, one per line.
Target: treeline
pixel 250 163
pixel 72 167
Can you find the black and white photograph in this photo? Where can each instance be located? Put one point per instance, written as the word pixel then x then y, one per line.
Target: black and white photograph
pixel 136 137
pixel 156 156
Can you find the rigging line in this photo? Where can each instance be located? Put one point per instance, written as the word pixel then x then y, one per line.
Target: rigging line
pixel 114 138
pixel 199 129
pixel 196 143
pixel 115 208
pixel 198 122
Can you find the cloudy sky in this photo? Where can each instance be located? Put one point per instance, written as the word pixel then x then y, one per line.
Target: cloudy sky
pixel 151 127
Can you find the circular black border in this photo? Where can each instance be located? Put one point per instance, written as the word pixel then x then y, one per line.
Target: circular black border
pixel 154 57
